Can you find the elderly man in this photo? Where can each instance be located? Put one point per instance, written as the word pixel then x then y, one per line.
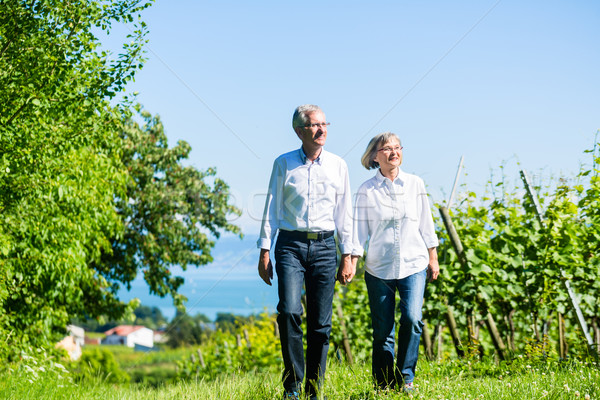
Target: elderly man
pixel 308 199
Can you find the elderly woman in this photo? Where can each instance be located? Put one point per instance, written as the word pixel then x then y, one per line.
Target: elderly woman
pixel 392 214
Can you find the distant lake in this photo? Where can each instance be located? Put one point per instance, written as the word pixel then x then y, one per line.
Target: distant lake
pixel 230 284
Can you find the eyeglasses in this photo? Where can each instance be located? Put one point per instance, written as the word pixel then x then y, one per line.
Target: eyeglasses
pixel 390 149
pixel 318 125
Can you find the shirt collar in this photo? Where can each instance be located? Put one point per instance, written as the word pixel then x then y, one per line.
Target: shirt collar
pixel 400 178
pixel 305 159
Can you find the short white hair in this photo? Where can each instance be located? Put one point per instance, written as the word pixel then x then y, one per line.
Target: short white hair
pixel 300 117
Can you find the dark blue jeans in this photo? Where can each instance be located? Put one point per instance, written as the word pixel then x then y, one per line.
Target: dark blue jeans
pixel 382 300
pixel 314 264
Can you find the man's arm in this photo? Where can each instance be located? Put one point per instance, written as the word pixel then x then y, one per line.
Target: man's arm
pixel 342 213
pixel 343 222
pixel 269 225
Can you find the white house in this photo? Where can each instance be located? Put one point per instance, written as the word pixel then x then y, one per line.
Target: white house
pixel 129 335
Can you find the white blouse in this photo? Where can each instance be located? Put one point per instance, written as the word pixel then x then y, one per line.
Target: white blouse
pixel 395 218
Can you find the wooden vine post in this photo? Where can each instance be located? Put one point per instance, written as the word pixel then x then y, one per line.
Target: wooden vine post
pixel 458 248
pixel 440 341
pixel 562 343
pixel 454 331
pixel 345 340
pixel 572 297
pixel 247 337
pixel 427 346
pixel 201 359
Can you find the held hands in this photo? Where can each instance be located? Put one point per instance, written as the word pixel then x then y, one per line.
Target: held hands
pixel 347 269
pixel 265 267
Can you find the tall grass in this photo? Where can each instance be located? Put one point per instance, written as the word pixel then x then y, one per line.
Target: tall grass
pixel 446 380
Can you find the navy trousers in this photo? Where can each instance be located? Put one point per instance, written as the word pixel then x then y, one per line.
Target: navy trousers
pixel 312 263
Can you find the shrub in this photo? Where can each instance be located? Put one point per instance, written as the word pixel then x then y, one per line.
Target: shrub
pixel 100 363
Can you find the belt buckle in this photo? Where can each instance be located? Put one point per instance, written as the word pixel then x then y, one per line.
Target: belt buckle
pixel 312 235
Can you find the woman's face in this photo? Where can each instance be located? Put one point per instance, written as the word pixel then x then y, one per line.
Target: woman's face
pixel 389 155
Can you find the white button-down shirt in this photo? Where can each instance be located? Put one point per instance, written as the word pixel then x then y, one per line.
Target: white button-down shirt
pixel 395 219
pixel 309 196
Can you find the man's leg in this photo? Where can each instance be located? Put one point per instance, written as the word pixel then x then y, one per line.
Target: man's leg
pixel 382 302
pixel 290 276
pixel 411 289
pixel 320 285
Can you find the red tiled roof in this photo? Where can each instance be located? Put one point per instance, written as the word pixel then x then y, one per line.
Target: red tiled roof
pixel 123 330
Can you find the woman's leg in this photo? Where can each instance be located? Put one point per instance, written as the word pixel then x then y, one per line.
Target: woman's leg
pixel 382 303
pixel 411 291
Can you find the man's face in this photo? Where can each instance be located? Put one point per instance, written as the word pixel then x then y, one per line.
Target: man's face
pixel 310 135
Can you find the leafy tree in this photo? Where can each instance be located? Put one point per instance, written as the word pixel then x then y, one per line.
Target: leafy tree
pixel 59 159
pixel 151 318
pixel 228 322
pixel 167 210
pixel 185 330
pixel 87 197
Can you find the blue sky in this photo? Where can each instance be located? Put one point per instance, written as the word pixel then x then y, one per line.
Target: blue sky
pixel 493 81
pixel 498 82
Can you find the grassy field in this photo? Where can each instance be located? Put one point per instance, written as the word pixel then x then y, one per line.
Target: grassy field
pixel 445 380
pixel 151 368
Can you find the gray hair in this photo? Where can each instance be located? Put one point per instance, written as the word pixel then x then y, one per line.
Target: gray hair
pixel 300 117
pixel 368 158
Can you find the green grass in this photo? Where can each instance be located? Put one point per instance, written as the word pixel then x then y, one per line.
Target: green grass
pixel 446 380
pixel 151 368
